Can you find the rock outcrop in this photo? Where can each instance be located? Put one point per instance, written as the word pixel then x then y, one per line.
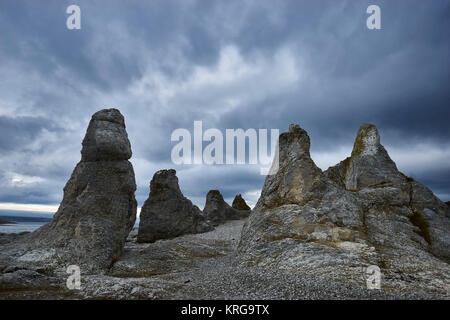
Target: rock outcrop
pixel 239 203
pixel 369 164
pixel 96 214
pixel 380 185
pixel 218 211
pixel 167 213
pixel 359 213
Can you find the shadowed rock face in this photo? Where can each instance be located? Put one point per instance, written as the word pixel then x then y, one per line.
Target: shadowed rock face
pixel 239 203
pixel 218 211
pixel 167 213
pixel 360 212
pixel 97 212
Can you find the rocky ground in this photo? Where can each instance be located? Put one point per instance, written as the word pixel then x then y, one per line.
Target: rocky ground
pixel 202 266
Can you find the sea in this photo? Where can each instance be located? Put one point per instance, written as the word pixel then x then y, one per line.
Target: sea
pixel 23 221
pixel 26 221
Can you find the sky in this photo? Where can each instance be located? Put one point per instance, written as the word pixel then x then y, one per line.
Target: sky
pixel 231 64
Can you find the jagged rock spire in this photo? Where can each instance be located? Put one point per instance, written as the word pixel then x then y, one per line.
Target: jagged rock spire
pixel 297 175
pixel 239 203
pixel 362 211
pixel 369 164
pixel 367 141
pixel 218 211
pixel 167 213
pixel 98 209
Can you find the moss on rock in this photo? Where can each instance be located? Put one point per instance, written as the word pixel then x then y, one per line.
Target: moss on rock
pixel 358 145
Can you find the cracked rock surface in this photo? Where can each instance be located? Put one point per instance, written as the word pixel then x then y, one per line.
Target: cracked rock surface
pixel 358 213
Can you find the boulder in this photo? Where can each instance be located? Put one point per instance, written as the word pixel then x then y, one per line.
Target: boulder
pixel 167 213
pixel 358 213
pixel 218 211
pixel 96 214
pixel 239 203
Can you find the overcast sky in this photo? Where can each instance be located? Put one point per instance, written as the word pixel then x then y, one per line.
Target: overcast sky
pixel 232 64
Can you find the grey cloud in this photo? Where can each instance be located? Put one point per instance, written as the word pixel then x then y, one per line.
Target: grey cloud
pixel 17 133
pixel 148 60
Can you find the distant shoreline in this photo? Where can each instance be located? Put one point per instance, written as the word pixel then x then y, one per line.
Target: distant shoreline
pixel 4 219
pixel 2 222
pixel 15 224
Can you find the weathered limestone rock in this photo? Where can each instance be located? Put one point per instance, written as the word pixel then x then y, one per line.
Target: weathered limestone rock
pixel 167 213
pixel 95 216
pixel 298 178
pixel 218 211
pixel 361 212
pixel 371 171
pixel 369 164
pixel 239 203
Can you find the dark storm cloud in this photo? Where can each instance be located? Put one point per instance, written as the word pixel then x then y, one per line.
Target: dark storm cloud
pixel 439 180
pixel 231 64
pixel 17 133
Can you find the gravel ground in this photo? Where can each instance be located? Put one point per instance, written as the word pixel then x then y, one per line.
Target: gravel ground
pixel 221 278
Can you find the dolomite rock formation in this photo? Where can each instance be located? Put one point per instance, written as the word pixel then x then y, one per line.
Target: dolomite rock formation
pixel 369 164
pixel 380 185
pixel 94 218
pixel 167 213
pixel 360 212
pixel 218 211
pixel 239 203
